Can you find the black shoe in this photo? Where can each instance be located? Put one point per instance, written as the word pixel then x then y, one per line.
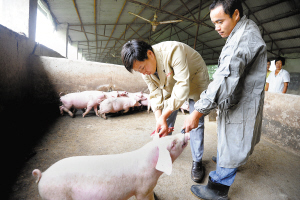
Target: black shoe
pixel 211 191
pixel 197 172
pixel 214 159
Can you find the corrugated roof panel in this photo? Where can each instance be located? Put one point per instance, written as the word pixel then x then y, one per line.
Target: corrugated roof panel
pixel 267 13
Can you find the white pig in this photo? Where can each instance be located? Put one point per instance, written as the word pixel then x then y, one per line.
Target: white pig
pixel 113 105
pixel 146 102
pixel 123 93
pixel 112 94
pixel 112 177
pixel 81 100
pixel 185 106
pixel 136 96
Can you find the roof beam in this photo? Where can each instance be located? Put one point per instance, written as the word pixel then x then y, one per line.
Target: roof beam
pixel 114 25
pixel 195 7
pixel 133 21
pixel 282 39
pixel 191 25
pixel 200 5
pixel 199 41
pixel 97 40
pixel 278 17
pixel 170 13
pixel 285 30
pixel 82 28
pixel 135 32
pixel 96 34
pixel 264 30
pixel 168 25
pixel 189 10
pixel 95 21
pixel 297 47
pixel 105 24
pixel 266 6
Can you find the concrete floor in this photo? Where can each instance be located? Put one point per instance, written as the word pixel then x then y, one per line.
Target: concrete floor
pixel 270 173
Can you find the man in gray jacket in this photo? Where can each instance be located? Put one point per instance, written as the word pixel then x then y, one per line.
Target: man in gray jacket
pixel 238 92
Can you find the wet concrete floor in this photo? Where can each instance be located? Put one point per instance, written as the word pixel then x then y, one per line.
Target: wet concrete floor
pixel 270 173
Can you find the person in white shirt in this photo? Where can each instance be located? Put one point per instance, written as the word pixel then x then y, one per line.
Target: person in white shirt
pixel 278 80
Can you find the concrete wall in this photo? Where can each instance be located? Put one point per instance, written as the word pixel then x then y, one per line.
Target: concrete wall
pixel 26 72
pixel 68 76
pixel 281 121
pixel 24 119
pixel 294 85
pixel 292 62
pixel 30 84
pixel 15 81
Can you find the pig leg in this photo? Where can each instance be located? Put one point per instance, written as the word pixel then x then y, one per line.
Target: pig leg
pixel 66 110
pixel 182 111
pixel 61 110
pixel 101 113
pixel 126 110
pixel 150 196
pixel 103 116
pixel 96 110
pixel 88 109
pixel 74 111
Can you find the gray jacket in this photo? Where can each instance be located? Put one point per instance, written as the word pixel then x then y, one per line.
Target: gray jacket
pixel 238 91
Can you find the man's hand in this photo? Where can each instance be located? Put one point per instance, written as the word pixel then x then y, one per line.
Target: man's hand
pixel 192 121
pixel 161 123
pixel 162 126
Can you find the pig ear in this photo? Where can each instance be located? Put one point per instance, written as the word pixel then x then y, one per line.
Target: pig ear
pixel 164 162
pixel 155 136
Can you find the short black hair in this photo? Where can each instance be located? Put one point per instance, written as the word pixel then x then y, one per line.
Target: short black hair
pixel 229 6
pixel 134 50
pixel 282 60
pixel 268 60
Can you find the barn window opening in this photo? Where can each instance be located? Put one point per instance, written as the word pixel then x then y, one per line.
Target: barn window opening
pixel 46 27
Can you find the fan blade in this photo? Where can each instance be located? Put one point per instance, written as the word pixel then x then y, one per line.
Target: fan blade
pixel 140 17
pixel 171 21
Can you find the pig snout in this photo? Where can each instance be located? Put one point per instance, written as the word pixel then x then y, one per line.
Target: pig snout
pixel 186 138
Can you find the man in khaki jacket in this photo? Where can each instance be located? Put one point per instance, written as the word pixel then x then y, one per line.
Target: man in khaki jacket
pixel 174 72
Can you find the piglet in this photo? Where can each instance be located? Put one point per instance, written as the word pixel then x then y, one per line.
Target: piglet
pixel 112 94
pixel 136 96
pixel 146 102
pixel 185 106
pixel 112 177
pixel 81 100
pixel 123 93
pixel 113 105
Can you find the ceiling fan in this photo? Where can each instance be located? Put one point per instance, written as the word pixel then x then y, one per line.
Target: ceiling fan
pixel 155 23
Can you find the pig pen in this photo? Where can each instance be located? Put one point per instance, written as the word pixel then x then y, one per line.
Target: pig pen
pixel 38 136
pixel 30 86
pixel 34 135
pixel 265 176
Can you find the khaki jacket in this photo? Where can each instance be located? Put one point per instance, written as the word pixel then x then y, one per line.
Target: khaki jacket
pixel 182 74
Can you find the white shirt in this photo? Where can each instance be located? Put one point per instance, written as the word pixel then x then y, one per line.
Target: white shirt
pixel 276 83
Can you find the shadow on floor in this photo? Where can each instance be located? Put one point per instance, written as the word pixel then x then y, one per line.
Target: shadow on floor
pixel 22 129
